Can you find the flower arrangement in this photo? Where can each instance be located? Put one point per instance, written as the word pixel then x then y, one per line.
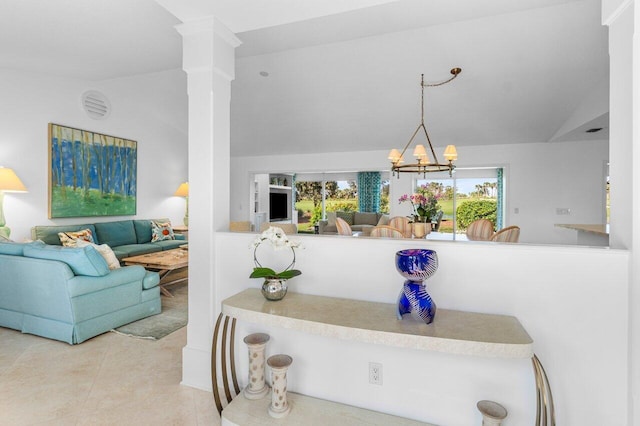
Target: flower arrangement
pixel 424 203
pixel 279 241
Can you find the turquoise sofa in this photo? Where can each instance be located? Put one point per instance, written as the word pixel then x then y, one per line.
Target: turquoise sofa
pixel 125 237
pixel 69 294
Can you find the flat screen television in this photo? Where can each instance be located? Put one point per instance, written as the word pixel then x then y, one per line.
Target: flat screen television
pixel 278 206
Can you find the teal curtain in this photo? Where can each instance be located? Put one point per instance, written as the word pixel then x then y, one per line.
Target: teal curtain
pixel 293 193
pixel 500 206
pixel 369 186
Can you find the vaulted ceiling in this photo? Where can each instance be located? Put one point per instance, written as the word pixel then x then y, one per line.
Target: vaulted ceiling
pixel 348 81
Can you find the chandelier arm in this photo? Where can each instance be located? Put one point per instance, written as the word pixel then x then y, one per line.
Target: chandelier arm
pixel 454 71
pixel 411 140
pixel 435 157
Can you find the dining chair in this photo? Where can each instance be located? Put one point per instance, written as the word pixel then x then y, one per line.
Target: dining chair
pixel 385 231
pixel 510 234
pixel 480 230
pixel 402 224
pixel 343 227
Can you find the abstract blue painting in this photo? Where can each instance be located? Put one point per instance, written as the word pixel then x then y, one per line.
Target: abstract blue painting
pixel 91 174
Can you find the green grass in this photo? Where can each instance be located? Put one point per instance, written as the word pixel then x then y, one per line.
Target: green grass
pixel 72 203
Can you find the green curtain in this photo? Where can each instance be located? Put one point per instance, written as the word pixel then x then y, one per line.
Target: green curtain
pixel 369 186
pixel 500 204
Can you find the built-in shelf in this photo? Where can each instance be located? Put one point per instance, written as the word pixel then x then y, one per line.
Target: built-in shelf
pixel 306 410
pixel 280 187
pixel 454 332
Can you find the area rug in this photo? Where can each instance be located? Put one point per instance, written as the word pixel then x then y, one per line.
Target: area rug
pixel 173 317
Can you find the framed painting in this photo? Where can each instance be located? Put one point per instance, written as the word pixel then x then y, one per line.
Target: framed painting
pixel 91 174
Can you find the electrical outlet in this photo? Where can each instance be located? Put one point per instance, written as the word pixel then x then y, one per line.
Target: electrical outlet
pixel 375 373
pixel 563 211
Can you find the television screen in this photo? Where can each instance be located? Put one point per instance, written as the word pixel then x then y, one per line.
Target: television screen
pixel 278 206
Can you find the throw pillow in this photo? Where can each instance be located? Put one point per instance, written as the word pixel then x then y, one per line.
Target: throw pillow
pixel 68 239
pixel 105 251
pixel 161 231
pixel 384 220
pixel 346 216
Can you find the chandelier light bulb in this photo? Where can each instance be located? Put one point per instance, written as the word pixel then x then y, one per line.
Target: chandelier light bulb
pixel 450 153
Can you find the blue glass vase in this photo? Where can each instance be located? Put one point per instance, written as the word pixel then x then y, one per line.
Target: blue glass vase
pixel 416 265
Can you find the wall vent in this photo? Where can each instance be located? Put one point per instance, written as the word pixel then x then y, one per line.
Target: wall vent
pixel 96 105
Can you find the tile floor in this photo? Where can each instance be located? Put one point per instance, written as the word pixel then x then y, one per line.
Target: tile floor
pixel 108 380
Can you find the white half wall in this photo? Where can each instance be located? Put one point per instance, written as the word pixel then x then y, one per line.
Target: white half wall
pixel 571 300
pixel 540 177
pixel 150 109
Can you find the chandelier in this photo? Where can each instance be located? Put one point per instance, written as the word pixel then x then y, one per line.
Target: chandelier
pixel 423 164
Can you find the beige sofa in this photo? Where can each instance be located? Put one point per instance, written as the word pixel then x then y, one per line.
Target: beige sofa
pixel 359 222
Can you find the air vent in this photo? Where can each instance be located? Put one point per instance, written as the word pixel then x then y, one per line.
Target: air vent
pixel 96 105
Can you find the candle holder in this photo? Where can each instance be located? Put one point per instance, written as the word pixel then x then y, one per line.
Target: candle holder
pixel 492 413
pixel 257 387
pixel 279 365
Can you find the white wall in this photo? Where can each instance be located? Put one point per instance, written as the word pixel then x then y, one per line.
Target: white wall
pixel 570 300
pixel 540 177
pixel 150 109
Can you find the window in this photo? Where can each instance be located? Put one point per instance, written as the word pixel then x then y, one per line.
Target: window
pixel 481 191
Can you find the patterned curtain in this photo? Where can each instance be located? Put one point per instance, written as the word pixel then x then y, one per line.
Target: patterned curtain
pixel 500 206
pixel 369 185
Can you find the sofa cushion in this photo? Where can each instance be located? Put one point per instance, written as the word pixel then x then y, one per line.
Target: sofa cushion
pixel 81 260
pixel 49 234
pixel 169 244
pixel 346 216
pixel 13 249
pixel 129 250
pixel 150 280
pixel 331 218
pixel 105 251
pixel 116 233
pixel 364 218
pixel 143 231
pixel 68 238
pixel 161 231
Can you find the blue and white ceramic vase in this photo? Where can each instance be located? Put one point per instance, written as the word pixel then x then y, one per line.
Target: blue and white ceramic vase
pixel 416 265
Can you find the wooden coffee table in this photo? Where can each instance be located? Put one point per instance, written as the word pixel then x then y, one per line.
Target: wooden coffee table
pixel 167 263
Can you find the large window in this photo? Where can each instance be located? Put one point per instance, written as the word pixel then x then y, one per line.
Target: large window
pixel 319 193
pixel 469 195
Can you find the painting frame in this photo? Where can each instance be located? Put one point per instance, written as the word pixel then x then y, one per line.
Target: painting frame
pixel 91 174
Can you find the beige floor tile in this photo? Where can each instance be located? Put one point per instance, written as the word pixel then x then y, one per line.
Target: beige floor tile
pixel 110 379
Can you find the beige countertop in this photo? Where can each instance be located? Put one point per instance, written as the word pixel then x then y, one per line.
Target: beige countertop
pixel 600 229
pixel 454 332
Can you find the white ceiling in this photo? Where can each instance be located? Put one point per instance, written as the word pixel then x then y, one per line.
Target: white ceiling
pixel 527 67
pixel 348 81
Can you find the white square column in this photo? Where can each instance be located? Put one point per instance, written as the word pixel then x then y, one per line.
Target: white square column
pixel 209 60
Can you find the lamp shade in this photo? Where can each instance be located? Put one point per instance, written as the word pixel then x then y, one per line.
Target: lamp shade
pixel 10 182
pixel 450 153
pixel 183 190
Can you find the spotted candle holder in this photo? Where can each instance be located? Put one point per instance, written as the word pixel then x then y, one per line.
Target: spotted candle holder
pixel 257 387
pixel 279 364
pixel 492 413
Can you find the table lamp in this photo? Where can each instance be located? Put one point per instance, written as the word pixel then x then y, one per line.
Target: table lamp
pixel 9 182
pixel 183 191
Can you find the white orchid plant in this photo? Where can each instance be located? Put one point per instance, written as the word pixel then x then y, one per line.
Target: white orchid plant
pixel 279 241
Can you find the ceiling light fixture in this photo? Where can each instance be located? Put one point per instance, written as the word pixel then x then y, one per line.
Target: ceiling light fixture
pixel 423 165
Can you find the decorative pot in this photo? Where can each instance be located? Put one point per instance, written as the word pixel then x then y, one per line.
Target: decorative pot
pixel 421 229
pixel 416 265
pixel 274 288
pixel 279 364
